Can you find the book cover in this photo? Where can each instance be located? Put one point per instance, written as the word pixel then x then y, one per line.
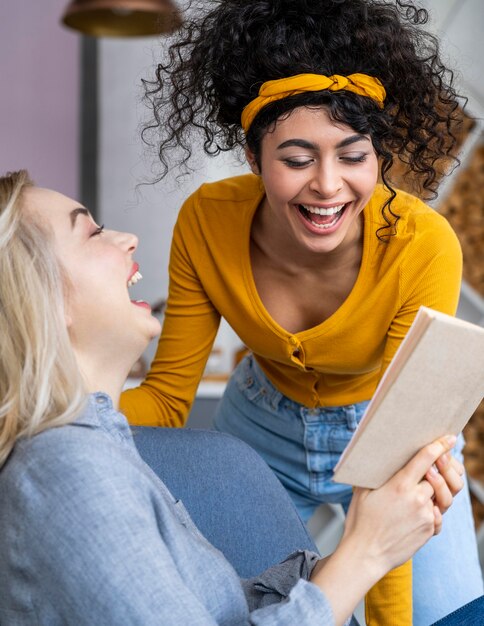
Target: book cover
pixel 431 388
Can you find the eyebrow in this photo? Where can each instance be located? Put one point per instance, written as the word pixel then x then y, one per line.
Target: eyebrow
pixel 302 143
pixel 76 212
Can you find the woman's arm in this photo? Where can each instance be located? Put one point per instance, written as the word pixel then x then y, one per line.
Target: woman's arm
pixel 385 527
pixel 189 329
pixel 430 276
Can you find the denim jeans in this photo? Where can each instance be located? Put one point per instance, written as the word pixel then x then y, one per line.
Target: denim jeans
pixel 471 614
pixel 302 446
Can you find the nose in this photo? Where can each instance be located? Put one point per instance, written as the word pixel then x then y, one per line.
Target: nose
pixel 126 241
pixel 327 180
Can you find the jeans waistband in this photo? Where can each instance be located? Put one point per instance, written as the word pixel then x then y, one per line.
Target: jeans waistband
pixel 350 413
pixel 254 373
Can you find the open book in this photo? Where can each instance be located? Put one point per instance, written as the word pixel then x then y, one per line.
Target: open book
pixel 431 388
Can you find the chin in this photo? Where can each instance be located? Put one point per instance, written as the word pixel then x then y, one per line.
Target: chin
pixel 146 325
pixel 155 328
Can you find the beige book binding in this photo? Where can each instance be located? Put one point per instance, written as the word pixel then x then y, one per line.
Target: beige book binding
pixel 431 388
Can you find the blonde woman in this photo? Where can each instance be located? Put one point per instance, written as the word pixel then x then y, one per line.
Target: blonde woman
pixel 88 534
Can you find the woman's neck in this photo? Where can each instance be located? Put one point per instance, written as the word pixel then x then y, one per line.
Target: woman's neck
pixel 108 376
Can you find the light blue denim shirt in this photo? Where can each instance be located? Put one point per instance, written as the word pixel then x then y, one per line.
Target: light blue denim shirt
pixel 89 535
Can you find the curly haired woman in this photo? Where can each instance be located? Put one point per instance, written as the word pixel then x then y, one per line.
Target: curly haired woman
pixel 318 267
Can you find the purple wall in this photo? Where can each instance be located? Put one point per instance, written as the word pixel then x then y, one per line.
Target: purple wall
pixel 39 93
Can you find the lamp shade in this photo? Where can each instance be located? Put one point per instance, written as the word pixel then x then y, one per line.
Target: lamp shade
pixel 122 18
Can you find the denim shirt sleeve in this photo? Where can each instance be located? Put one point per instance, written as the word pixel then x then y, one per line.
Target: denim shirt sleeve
pixel 283 595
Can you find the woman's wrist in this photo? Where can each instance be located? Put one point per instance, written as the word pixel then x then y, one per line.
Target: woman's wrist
pixel 345 577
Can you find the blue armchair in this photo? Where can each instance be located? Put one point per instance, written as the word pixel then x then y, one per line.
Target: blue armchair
pixel 230 492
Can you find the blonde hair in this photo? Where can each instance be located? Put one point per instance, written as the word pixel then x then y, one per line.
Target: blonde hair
pixel 40 383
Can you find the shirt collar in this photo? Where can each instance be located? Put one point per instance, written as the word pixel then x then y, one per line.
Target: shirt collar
pixel 100 413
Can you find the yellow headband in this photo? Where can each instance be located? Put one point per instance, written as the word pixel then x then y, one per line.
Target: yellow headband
pixel 273 90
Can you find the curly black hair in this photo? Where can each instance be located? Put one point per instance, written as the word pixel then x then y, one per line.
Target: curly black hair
pixel 220 58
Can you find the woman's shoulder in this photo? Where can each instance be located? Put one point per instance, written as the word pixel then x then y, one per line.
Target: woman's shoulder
pixel 60 459
pixel 219 211
pixel 235 190
pixel 415 217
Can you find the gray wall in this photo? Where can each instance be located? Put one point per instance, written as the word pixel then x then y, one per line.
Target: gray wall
pixel 460 25
pixel 149 210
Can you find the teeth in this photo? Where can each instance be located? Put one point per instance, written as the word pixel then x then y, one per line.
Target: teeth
pixel 134 279
pixel 320 211
pixel 323 226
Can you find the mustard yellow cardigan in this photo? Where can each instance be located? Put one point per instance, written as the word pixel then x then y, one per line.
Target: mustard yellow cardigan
pixel 338 362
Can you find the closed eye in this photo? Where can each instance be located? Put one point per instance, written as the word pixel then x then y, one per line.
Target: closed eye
pixel 356 159
pixel 98 231
pixel 297 164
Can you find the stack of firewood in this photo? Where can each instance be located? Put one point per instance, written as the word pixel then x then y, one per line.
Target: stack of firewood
pixel 473 458
pixel 464 208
